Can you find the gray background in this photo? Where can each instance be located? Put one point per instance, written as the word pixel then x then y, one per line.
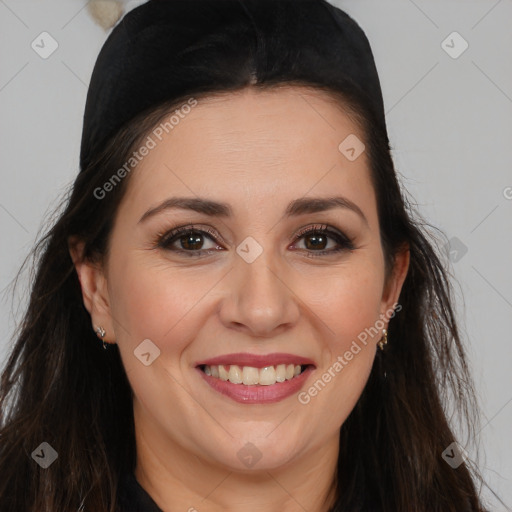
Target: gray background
pixel 450 124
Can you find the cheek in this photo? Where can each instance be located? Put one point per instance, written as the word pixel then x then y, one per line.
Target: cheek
pixel 157 302
pixel 350 306
pixel 347 300
pixel 163 305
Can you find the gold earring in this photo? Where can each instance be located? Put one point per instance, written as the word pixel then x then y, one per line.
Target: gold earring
pixel 101 333
pixel 384 340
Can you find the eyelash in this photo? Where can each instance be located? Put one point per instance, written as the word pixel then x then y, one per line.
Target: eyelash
pixel 164 240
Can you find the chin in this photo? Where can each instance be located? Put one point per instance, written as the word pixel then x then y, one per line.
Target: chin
pixel 251 456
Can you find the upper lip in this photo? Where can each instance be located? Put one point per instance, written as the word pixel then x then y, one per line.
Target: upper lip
pixel 255 360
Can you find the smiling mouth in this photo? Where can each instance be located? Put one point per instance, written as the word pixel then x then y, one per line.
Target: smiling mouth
pixel 251 376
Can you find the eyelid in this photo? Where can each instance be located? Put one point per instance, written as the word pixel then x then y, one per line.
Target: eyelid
pixel 162 239
pixel 339 236
pixel 315 227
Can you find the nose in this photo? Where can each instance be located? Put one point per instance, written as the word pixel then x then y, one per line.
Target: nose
pixel 259 302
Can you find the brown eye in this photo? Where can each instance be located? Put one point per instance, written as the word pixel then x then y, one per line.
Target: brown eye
pixel 187 240
pixel 316 241
pixel 191 241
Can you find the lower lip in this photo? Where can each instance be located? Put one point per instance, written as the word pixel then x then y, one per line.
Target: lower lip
pixel 257 394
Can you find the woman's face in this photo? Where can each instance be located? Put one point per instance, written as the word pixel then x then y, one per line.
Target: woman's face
pixel 247 287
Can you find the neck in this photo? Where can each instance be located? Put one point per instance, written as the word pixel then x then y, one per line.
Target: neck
pixel 177 479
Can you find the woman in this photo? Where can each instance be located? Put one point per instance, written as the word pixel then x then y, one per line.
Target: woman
pixel 276 330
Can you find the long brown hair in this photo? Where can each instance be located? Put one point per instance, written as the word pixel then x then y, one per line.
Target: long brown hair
pixel 59 386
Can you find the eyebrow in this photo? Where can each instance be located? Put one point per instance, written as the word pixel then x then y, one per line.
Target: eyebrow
pixel 216 209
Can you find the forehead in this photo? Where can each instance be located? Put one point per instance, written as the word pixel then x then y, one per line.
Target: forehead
pixel 252 145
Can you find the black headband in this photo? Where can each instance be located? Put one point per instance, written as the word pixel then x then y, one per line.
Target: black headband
pixel 160 51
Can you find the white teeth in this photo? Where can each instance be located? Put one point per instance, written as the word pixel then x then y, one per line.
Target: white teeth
pixel 281 372
pixel 267 376
pixel 223 374
pixel 235 374
pixel 250 376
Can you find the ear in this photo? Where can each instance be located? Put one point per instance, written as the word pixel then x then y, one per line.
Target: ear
pixel 93 283
pixel 394 283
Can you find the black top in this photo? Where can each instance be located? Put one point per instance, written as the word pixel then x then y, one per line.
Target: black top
pixel 133 497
